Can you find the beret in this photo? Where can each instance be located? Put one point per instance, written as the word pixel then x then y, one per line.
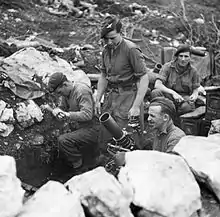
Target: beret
pixel 108 25
pixel 165 103
pixel 182 48
pixel 55 80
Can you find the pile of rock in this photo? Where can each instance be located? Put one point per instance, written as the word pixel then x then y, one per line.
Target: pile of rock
pixel 151 184
pixel 24 114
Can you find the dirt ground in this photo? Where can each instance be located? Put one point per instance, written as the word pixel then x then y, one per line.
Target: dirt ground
pixel 37 163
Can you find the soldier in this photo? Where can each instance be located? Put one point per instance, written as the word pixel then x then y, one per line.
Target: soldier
pixel 124 78
pixel 161 115
pixel 77 108
pixel 179 81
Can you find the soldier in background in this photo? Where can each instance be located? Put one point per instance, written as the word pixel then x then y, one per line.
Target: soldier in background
pixel 179 81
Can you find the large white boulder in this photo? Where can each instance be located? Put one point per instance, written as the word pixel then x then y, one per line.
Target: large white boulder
pixel 11 192
pixel 203 156
pixel 53 200
pixel 27 113
pixel 29 68
pixel 161 183
pixel 101 193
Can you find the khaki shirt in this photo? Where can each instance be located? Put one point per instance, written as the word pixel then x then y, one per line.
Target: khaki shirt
pixel 183 83
pixel 80 104
pixel 123 65
pixel 166 140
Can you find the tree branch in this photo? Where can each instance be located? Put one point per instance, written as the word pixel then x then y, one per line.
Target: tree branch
pixel 216 29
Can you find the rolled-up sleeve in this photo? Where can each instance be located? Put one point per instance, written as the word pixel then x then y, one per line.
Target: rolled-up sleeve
pixel 137 61
pixel 164 73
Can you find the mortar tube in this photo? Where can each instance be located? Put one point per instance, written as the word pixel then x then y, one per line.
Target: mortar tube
pixel 198 52
pixel 110 124
pixel 157 68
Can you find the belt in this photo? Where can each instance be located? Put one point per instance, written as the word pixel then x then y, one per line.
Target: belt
pixel 118 87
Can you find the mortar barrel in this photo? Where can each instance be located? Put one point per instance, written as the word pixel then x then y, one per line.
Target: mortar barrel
pixel 111 125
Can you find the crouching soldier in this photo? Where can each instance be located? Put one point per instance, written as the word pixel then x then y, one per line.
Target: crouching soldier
pixel 161 113
pixel 77 108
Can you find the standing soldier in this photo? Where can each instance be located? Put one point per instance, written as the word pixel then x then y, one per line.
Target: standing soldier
pixel 124 79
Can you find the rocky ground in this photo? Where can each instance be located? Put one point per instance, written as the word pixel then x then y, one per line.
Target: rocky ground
pixel 33 147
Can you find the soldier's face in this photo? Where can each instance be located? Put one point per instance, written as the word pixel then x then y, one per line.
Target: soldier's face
pixel 112 38
pixel 155 117
pixel 62 90
pixel 184 58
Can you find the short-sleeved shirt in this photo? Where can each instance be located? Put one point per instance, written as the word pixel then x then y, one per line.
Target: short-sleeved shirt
pixel 166 140
pixel 123 65
pixel 183 83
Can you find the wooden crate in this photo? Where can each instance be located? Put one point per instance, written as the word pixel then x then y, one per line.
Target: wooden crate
pixel 191 126
pixel 204 127
pixel 212 103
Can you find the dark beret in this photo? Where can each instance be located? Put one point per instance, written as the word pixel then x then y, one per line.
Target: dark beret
pixel 55 80
pixel 109 24
pixel 166 104
pixel 181 49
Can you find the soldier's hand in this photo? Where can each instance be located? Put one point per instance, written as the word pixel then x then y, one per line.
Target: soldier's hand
pixel 56 111
pixel 178 98
pixel 193 97
pixel 60 114
pixel 134 111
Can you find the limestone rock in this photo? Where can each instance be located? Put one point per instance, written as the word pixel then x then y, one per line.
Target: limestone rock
pixel 161 183
pixel 214 137
pixel 2 106
pixel 6 129
pixel 53 200
pixel 215 127
pixel 203 156
pixel 35 67
pixel 27 113
pixel 3 127
pixel 101 193
pixel 7 116
pixel 11 193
